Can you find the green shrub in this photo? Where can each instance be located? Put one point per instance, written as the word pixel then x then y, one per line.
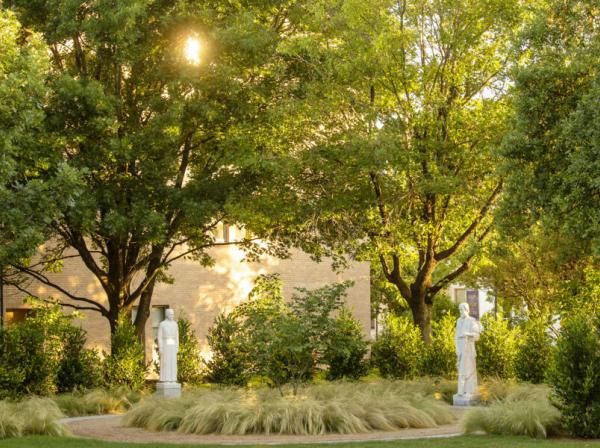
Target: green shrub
pixel 229 364
pixel 439 357
pixel 277 339
pixel 125 365
pixel 78 367
pixel 43 354
pixel 575 375
pixel 534 351
pixel 189 361
pixel 444 306
pixel 12 373
pixel 526 411
pixel 496 348
pixel 397 353
pixel 346 349
pixel 280 341
pixel 329 408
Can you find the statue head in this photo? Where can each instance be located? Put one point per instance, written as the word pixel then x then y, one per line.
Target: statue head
pixel 464 309
pixel 170 313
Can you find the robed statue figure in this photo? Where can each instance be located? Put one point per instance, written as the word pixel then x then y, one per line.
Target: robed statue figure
pixel 467 332
pixel 168 346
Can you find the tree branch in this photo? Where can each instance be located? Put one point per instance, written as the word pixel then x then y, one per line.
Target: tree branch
pixel 398 280
pixel 465 235
pixel 46 281
pixel 458 271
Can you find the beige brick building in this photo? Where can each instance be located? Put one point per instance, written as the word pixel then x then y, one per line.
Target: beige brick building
pixel 199 293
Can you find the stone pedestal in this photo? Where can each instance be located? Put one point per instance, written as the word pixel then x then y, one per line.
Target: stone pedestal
pixel 168 390
pixel 465 400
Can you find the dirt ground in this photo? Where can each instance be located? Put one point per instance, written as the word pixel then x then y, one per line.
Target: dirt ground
pixel 109 428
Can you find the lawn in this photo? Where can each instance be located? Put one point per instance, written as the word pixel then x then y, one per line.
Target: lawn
pixel 453 442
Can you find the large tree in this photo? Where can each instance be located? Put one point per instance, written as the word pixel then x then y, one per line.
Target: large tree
pixel 552 155
pixel 31 186
pixel 394 159
pixel 162 140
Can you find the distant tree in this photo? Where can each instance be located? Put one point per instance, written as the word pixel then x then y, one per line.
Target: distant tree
pixel 394 159
pixel 552 161
pixel 532 269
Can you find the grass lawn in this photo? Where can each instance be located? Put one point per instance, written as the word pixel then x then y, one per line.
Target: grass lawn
pixel 454 442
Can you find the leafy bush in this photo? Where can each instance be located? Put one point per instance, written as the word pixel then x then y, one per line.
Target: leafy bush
pixel 12 373
pixel 444 306
pixel 78 367
pixel 575 375
pixel 229 364
pixel 534 351
pixel 496 348
pixel 526 411
pixel 329 408
pixel 189 361
pixel 278 344
pixel 125 365
pixel 44 354
pixel 439 357
pixel 397 352
pixel 346 349
pixel 282 342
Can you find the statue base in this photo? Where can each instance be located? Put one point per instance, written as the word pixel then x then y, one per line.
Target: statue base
pixel 465 400
pixel 168 390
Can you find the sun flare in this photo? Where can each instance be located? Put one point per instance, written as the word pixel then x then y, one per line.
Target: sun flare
pixel 191 50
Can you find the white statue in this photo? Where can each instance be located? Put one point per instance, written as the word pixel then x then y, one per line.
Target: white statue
pixel 168 346
pixel 467 332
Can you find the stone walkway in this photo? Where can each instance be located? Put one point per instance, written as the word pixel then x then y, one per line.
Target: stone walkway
pixel 109 428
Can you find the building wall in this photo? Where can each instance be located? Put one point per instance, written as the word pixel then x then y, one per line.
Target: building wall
pixel 486 302
pixel 200 294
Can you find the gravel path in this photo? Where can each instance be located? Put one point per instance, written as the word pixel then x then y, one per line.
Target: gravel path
pixel 109 428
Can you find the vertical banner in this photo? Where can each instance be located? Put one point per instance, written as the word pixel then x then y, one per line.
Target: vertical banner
pixel 473 301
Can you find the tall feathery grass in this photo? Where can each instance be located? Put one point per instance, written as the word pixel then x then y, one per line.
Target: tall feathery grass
pixel 495 389
pixel 526 410
pixel 97 401
pixel 32 416
pixel 319 409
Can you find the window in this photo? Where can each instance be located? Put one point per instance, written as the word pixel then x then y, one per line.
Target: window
pixel 473 301
pixel 221 232
pixel 460 295
pixel 16 315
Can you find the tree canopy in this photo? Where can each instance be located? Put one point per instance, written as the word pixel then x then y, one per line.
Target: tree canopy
pixel 401 122
pixel 551 152
pixel 165 146
pixel 31 181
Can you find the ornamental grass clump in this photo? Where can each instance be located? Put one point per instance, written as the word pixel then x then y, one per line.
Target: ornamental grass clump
pixel 525 411
pixel 97 401
pixel 330 408
pixel 33 416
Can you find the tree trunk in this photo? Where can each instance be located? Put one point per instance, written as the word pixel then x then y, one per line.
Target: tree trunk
pixel 421 311
pixel 143 312
pixel 113 320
